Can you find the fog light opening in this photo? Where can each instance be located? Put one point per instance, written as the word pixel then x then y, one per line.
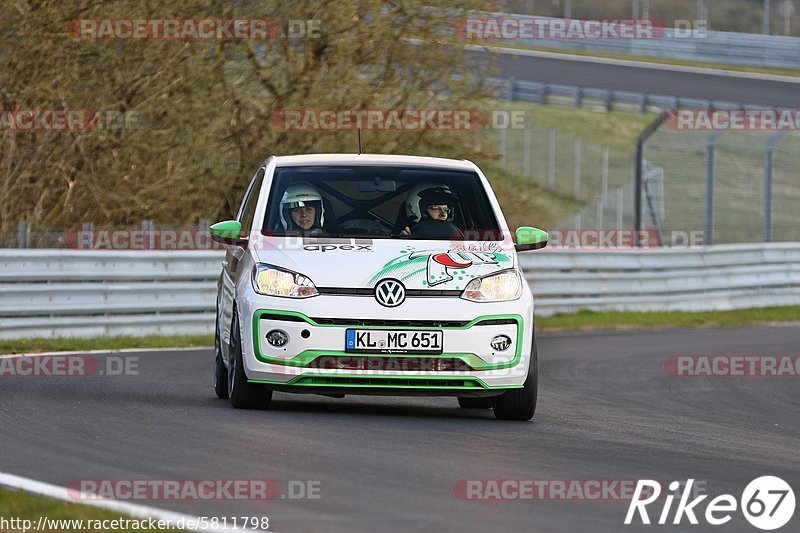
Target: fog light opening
pixel 277 338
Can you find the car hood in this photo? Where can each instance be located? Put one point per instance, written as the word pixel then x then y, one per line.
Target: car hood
pixel 361 263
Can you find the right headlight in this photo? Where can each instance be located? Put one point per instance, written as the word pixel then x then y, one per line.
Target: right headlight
pixel 499 287
pixel 270 280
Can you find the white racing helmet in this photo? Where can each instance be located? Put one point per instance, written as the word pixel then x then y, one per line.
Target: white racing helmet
pixel 426 194
pixel 301 195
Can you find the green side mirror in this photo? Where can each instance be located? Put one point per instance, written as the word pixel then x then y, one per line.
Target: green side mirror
pixel 227 232
pixel 529 238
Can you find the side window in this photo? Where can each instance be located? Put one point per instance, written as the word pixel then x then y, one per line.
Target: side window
pixel 248 211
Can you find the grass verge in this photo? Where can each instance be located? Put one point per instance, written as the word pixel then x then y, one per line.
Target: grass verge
pixel 591 320
pixel 23 506
pixel 103 343
pixel 582 320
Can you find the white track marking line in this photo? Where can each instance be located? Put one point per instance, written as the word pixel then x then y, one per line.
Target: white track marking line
pixel 132 509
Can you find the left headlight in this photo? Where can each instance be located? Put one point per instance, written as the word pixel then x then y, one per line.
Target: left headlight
pixel 499 287
pixel 270 280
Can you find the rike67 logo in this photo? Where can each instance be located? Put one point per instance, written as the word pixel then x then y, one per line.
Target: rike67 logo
pixel 767 503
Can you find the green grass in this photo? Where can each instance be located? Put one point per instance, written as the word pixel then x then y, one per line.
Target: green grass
pixel 19 504
pixel 581 320
pixel 524 203
pixel 102 343
pixel 589 320
pixel 616 129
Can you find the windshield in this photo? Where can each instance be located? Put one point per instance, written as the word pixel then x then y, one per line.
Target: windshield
pixel 380 202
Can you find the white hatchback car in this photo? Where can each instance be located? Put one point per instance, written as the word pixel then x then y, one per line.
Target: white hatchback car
pixel 374 274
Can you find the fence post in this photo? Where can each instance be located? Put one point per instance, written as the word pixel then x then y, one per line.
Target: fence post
pixel 23 234
pixel 604 175
pixel 576 168
pixel 87 228
pixel 147 229
pixel 710 178
pixel 503 149
pixel 551 159
pixel 769 164
pixel 526 154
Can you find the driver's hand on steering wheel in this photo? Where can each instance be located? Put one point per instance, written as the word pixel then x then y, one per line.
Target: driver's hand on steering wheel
pixel 405 232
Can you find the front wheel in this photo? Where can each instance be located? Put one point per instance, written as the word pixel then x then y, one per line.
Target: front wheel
pixel 220 371
pixel 520 404
pixel 243 394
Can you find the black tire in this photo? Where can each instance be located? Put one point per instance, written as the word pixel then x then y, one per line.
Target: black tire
pixel 520 404
pixel 243 394
pixel 474 403
pixel 220 371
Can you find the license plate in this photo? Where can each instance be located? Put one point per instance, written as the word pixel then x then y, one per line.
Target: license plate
pixel 393 341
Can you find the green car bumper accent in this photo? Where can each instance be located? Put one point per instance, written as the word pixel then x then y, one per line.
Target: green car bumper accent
pixel 304 358
pixel 386 382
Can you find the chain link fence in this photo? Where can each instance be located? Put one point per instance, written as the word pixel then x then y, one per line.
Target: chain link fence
pixel 734 186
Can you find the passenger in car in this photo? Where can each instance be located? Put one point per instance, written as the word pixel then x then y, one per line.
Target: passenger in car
pixel 426 203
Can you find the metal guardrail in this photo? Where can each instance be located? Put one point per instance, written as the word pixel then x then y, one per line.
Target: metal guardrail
pixel 52 293
pixel 580 96
pixel 708 46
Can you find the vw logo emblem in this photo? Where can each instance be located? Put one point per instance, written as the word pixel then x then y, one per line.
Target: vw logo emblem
pixel 390 293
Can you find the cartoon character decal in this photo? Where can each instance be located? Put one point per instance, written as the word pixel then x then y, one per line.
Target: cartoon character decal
pixel 452 269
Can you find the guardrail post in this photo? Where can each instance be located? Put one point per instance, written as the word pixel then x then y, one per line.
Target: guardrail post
pixel 544 93
pixel 23 234
pixel 578 96
pixel 510 90
pixel 551 159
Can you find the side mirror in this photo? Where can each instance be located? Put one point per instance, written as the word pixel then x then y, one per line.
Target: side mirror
pixel 529 238
pixel 228 232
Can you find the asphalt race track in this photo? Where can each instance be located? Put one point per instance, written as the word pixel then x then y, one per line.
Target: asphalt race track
pixel 641 78
pixel 608 410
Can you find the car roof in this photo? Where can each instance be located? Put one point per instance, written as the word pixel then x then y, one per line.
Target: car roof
pixel 371 159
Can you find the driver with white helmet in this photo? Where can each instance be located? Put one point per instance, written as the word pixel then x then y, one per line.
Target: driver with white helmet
pixel 302 210
pixel 426 202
